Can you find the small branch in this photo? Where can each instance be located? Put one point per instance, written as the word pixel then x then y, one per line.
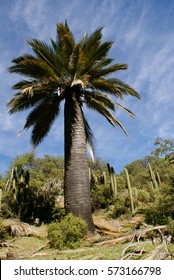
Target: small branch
pixel 160 253
pixel 134 252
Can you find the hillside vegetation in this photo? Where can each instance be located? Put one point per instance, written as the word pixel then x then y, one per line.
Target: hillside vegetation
pixel 133 210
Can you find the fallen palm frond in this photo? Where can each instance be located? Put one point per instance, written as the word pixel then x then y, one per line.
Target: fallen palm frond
pixel 136 236
pixel 17 228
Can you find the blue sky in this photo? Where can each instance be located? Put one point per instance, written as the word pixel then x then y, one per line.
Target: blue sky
pixel 143 32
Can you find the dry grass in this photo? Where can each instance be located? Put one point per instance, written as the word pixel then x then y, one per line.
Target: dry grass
pixel 34 245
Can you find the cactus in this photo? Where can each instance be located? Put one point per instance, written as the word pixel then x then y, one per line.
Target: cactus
pixel 152 190
pixel 114 186
pixel 113 180
pixel 0 199
pixel 19 182
pixel 153 178
pixel 158 179
pixel 102 178
pixel 130 191
pixel 94 178
pixel 135 195
pixel 135 192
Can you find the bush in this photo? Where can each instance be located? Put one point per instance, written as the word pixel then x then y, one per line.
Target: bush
pixel 119 207
pixel 101 197
pixel 170 226
pixel 163 208
pixel 68 233
pixel 3 231
pixel 155 215
pixel 143 196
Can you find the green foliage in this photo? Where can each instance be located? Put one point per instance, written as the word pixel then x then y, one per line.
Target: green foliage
pixel 101 197
pixel 97 165
pixel 120 206
pixel 46 181
pixel 3 231
pixel 67 233
pixel 0 199
pixel 144 197
pixel 18 182
pixel 165 147
pixel 170 225
pixel 2 182
pixel 163 208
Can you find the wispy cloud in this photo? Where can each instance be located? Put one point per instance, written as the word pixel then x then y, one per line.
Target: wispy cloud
pixel 31 14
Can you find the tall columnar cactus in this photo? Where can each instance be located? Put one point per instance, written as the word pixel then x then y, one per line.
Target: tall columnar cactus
pixel 130 191
pixel 113 180
pixel 0 199
pixel 94 179
pixel 152 190
pixel 158 179
pixel 102 178
pixel 19 182
pixel 135 196
pixel 153 178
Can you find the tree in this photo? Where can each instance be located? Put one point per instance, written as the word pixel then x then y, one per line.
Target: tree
pixel 165 147
pixel 76 73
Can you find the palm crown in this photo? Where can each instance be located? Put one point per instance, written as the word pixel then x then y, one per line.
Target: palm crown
pixel 57 68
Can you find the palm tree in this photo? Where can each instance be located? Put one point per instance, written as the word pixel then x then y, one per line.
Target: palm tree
pixel 76 73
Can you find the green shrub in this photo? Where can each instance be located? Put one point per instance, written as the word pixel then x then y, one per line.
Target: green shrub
pixel 67 233
pixel 119 207
pixel 163 208
pixel 155 215
pixel 170 226
pixel 101 197
pixel 3 231
pixel 143 196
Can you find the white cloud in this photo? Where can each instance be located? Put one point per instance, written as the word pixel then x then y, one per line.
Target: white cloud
pixel 33 13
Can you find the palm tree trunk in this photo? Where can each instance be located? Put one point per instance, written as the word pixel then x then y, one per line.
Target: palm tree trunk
pixel 76 181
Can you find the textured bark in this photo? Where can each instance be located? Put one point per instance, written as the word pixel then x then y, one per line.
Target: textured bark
pixel 77 184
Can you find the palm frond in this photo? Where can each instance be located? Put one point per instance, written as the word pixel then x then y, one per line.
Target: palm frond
pixel 125 109
pixel 76 61
pixel 22 84
pixel 41 125
pixel 65 42
pixel 31 93
pixel 89 137
pixel 100 97
pixel 21 102
pixel 101 72
pixel 95 105
pixel 33 68
pixel 91 41
pixel 106 85
pixel 114 86
pixel 100 52
pixel 125 88
pixel 22 58
pixel 45 53
pixel 95 51
pixel 64 35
